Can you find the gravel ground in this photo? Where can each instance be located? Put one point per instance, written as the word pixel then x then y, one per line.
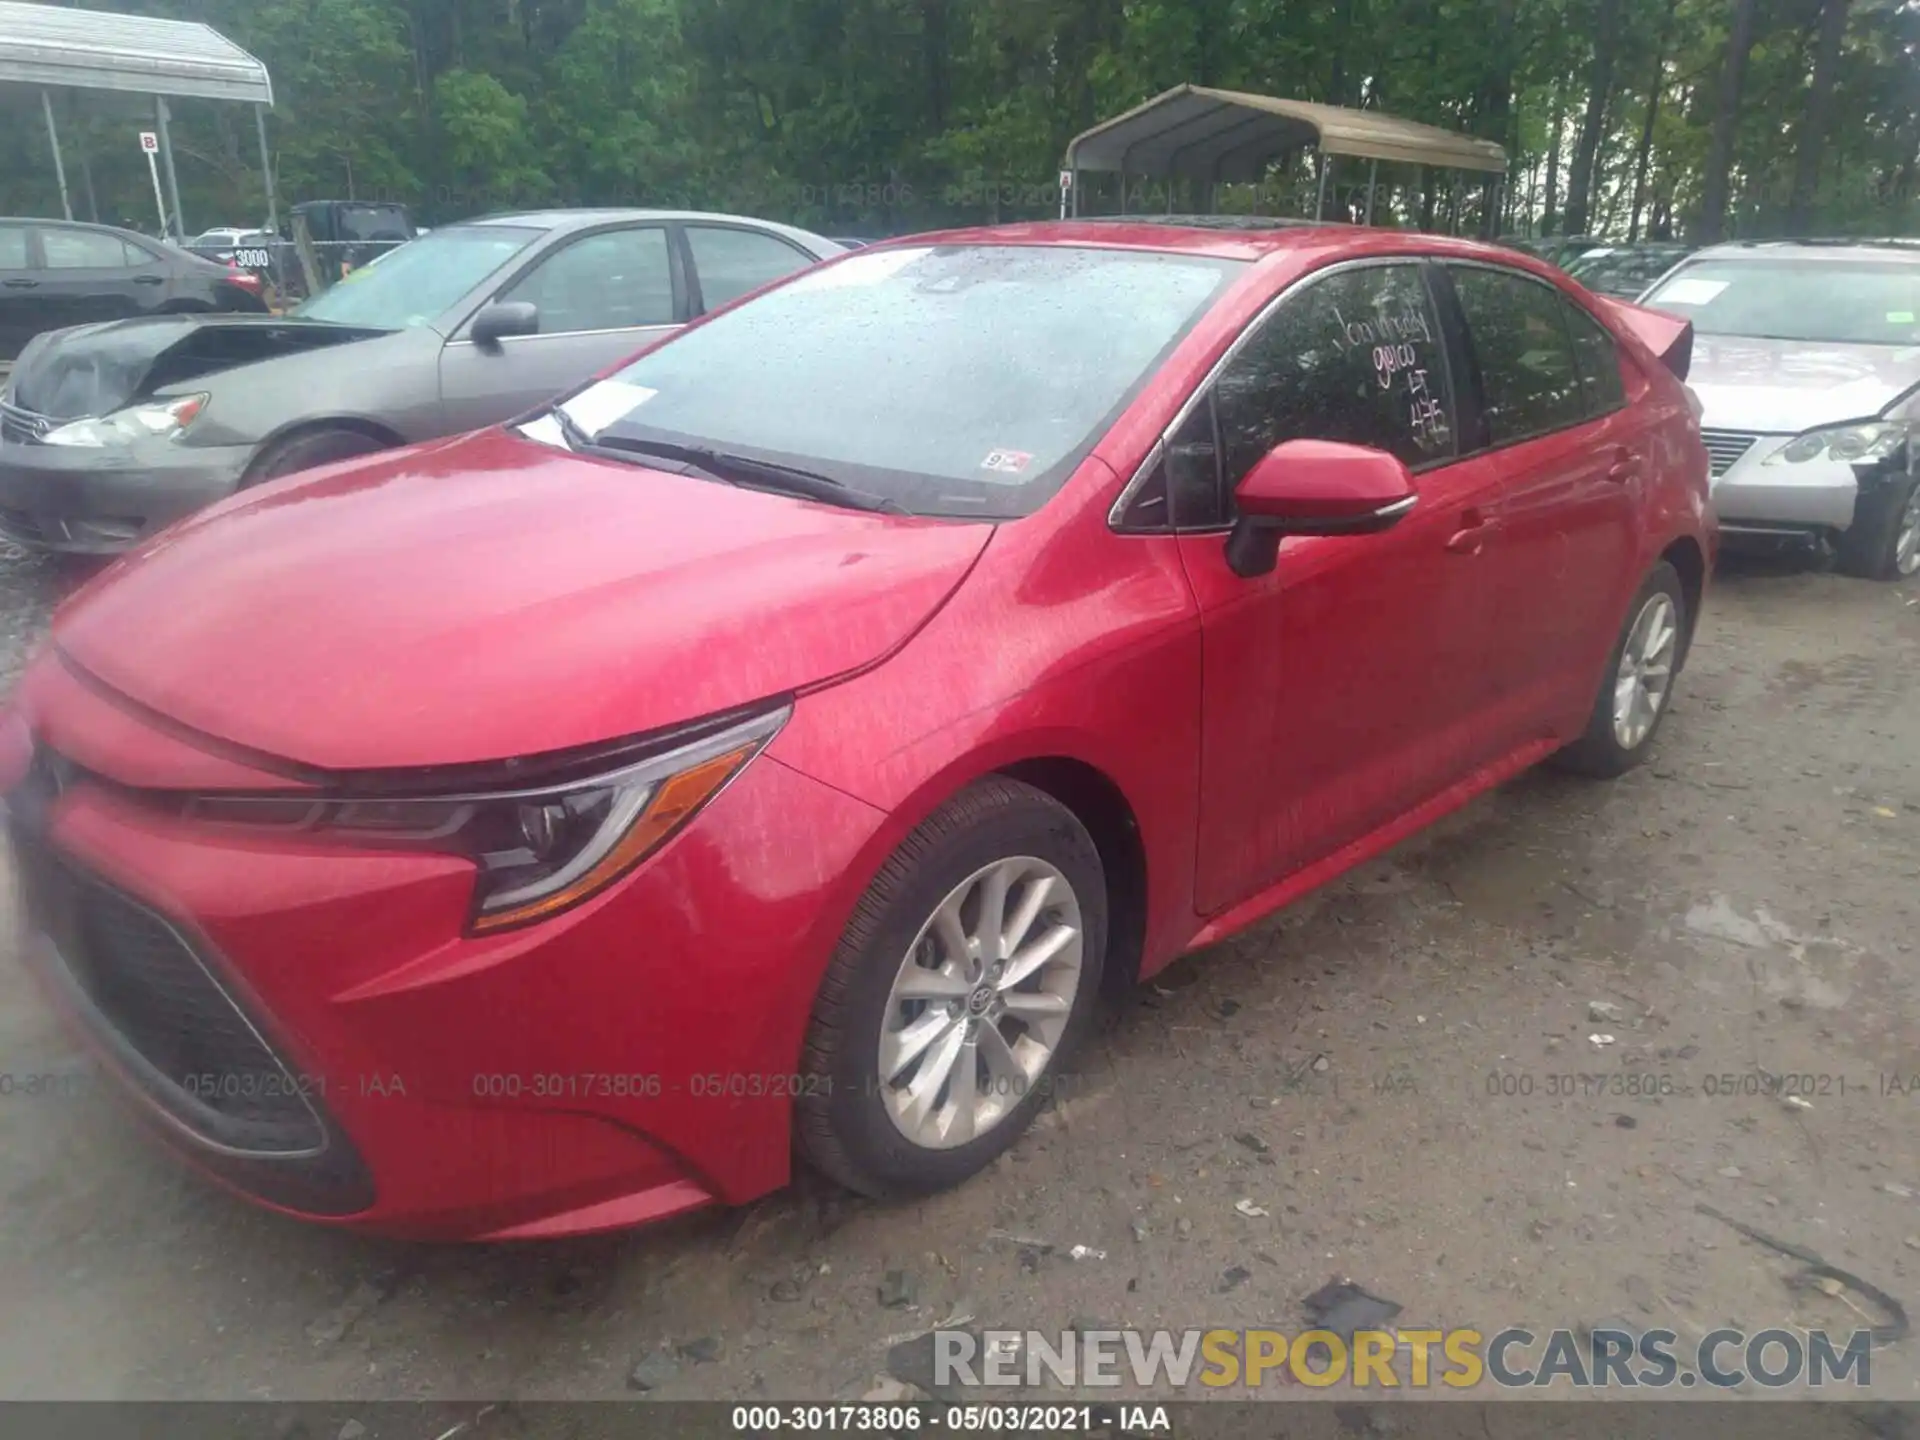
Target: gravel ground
pixel 1746 902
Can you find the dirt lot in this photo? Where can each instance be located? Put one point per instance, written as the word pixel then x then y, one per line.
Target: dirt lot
pixel 1747 902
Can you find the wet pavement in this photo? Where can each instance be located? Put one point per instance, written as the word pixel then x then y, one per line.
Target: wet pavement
pixel 1401 1076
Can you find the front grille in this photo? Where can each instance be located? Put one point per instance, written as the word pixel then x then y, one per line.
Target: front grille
pixel 177 1034
pixel 149 985
pixel 23 427
pixel 1725 447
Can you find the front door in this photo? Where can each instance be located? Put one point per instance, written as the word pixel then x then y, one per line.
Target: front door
pixel 600 298
pixel 1342 688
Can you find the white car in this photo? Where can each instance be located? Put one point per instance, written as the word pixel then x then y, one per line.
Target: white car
pixel 1806 361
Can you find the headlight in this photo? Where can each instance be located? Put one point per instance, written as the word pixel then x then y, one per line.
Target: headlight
pixel 541 849
pixel 1862 441
pixel 161 419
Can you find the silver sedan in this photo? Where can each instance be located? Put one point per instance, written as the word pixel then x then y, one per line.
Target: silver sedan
pixel 109 431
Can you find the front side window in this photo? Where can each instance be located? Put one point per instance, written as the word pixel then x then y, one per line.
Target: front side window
pixel 616 280
pixel 964 380
pixel 1843 301
pixel 732 262
pixel 1355 357
pixel 1530 384
pixel 83 250
pixel 417 283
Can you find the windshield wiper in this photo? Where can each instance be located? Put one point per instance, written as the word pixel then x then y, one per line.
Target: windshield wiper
pixel 582 443
pixel 757 474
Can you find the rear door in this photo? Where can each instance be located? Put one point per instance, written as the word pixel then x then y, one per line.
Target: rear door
pixel 1570 453
pixel 22 300
pixel 600 296
pixel 90 276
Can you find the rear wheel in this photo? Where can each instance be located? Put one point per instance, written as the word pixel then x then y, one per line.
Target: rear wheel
pixel 311 448
pixel 970 970
pixel 1639 681
pixel 1883 543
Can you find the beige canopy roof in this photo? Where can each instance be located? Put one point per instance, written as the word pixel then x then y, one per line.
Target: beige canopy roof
pixel 1231 135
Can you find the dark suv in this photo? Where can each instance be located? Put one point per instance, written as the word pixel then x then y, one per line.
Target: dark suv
pixel 55 273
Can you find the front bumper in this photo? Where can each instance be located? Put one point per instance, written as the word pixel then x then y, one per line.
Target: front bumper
pixel 100 502
pixel 1754 498
pixel 624 1061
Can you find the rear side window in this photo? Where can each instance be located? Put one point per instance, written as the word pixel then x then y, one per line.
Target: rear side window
pixel 732 262
pixel 13 247
pixel 1530 383
pixel 83 250
pixel 1598 361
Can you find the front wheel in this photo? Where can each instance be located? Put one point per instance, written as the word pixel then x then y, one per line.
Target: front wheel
pixel 1883 543
pixel 968 973
pixel 1639 681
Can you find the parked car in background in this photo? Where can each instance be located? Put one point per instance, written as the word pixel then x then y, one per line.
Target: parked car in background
pixel 55 273
pixel 1625 271
pixel 787 736
pixel 221 242
pixel 111 431
pixel 1807 366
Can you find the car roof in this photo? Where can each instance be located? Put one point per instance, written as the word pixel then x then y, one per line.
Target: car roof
pixel 560 222
pixel 1851 247
pixel 72 225
pixel 1223 237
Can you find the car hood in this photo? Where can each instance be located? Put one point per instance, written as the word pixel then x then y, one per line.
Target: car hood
pixel 96 369
pixel 1785 386
pixel 490 597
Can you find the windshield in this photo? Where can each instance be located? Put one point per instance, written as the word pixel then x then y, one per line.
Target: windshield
pixel 960 380
pixel 1853 302
pixel 416 283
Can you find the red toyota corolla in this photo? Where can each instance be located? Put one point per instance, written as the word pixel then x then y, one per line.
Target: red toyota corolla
pixel 777 746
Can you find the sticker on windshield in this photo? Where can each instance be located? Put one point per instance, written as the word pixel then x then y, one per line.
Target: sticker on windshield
pixel 598 406
pixel 1900 317
pixel 1690 292
pixel 860 269
pixel 1007 462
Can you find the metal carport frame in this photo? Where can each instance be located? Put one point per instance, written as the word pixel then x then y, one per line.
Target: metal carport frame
pixel 51 46
pixel 1214 135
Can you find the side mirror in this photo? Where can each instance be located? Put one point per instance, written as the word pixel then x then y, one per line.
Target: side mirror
pixel 1314 487
pixel 502 319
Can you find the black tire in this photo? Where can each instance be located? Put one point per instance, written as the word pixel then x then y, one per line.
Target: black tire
pixel 310 448
pixel 1870 547
pixel 843 1128
pixel 1599 752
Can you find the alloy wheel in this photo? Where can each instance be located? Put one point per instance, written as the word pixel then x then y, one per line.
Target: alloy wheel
pixel 981 1002
pixel 1646 671
pixel 1906 546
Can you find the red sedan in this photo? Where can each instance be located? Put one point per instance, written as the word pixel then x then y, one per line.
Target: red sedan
pixel 778 746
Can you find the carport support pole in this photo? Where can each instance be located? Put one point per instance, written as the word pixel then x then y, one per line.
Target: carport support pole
pixel 59 165
pixel 166 163
pixel 266 169
pixel 1373 174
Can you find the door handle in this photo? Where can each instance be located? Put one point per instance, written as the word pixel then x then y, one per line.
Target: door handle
pixel 1475 529
pixel 1625 467
pixel 21 284
pixel 149 280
